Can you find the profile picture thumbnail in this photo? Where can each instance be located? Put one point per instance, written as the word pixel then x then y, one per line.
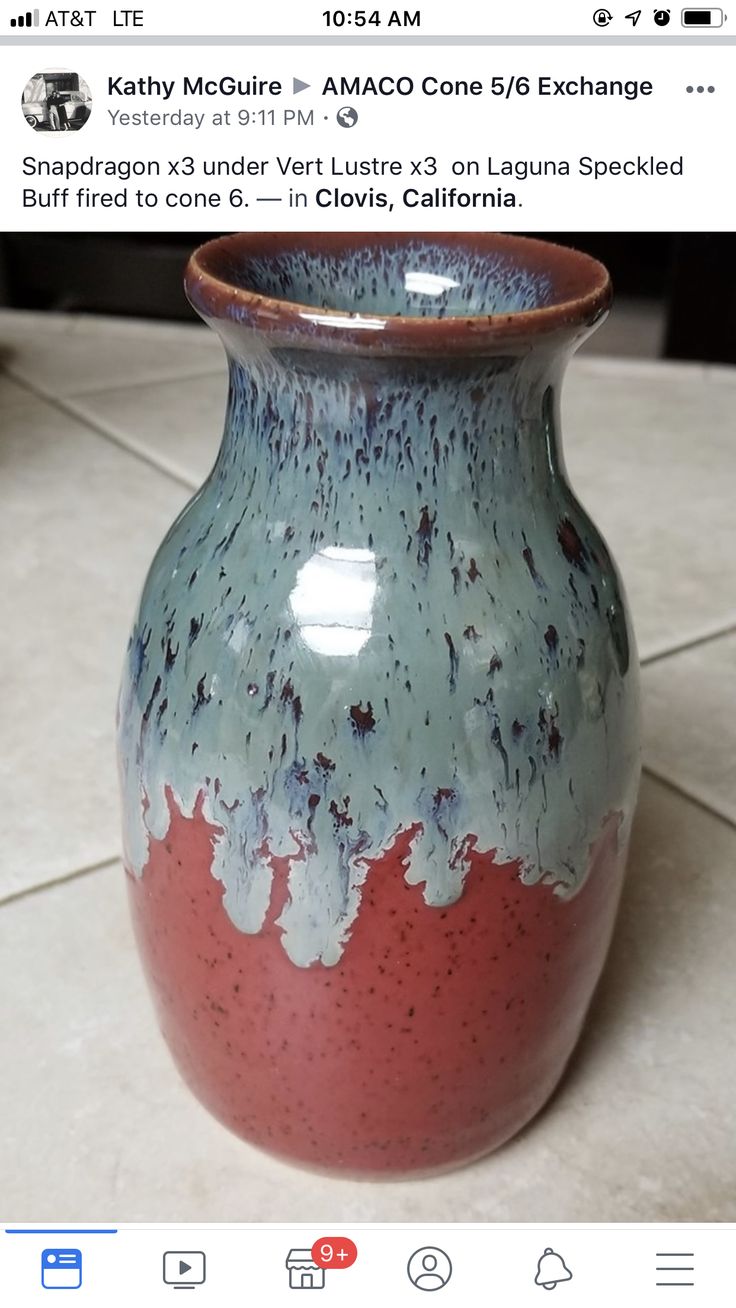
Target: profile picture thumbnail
pixel 57 100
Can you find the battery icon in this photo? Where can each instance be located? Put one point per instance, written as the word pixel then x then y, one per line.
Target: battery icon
pixel 702 18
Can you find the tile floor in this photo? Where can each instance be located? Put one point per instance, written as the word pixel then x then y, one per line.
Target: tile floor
pixel 105 427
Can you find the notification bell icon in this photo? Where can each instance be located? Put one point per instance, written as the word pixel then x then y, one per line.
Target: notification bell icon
pixel 551 1269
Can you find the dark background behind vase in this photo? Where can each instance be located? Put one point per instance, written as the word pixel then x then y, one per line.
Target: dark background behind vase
pixel 683 287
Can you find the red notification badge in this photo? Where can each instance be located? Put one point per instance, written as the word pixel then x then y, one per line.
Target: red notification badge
pixel 334 1251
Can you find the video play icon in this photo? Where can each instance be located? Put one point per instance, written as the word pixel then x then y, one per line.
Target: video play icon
pixel 184 1267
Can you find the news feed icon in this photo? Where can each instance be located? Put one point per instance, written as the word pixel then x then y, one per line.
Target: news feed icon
pixel 61 1269
pixel 184 1268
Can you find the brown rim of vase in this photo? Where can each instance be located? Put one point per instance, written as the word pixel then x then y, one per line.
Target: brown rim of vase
pixel 581 288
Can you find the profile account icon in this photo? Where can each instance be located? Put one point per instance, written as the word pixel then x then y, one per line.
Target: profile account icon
pixel 429 1268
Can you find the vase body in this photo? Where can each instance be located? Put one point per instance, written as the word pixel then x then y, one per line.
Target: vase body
pixel 379 747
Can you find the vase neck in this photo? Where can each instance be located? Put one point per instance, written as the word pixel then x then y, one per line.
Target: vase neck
pixel 345 434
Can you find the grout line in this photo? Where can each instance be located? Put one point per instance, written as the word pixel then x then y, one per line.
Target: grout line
pixel 6 371
pixel 164 378
pixel 60 881
pixel 111 434
pixel 685 793
pixel 73 407
pixel 691 643
pixel 113 328
pixel 68 407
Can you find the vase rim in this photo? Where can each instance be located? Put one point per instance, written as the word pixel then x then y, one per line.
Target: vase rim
pixel 578 289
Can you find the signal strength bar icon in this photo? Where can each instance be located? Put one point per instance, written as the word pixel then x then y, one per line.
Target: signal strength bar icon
pixel 28 19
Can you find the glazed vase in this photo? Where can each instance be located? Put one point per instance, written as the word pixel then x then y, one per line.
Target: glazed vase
pixel 379 720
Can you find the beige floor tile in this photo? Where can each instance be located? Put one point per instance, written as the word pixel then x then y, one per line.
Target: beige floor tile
pixel 79 523
pixel 72 354
pixel 176 424
pixel 650 452
pixel 690 722
pixel 641 1129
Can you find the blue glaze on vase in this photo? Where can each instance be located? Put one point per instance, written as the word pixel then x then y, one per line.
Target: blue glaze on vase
pixel 385 610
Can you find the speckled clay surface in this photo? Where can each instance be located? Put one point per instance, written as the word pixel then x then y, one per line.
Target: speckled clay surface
pixel 379 718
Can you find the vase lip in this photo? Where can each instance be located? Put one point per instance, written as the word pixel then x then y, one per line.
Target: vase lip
pixel 579 287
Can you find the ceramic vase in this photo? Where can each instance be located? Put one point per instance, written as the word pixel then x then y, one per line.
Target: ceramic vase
pixel 379 724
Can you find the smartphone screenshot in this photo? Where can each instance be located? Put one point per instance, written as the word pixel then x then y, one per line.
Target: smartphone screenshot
pixel 367 482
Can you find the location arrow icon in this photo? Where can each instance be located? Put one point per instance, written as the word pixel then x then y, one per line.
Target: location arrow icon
pixel 300 86
pixel 634 16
